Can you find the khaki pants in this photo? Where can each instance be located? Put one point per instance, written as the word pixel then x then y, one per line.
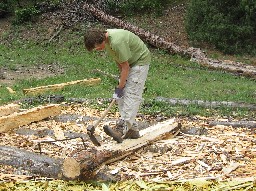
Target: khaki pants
pixel 129 104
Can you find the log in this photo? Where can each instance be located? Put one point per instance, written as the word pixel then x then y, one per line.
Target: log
pixel 39 164
pixel 55 87
pixel 196 54
pixel 84 164
pixel 9 109
pixel 115 77
pixel 111 152
pixel 23 118
pixel 210 104
pixel 247 124
pixel 57 33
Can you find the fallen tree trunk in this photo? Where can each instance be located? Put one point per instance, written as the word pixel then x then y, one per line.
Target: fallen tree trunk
pixel 210 104
pixel 85 164
pixel 105 74
pixel 39 164
pixel 23 118
pixel 196 54
pixel 55 87
pixel 111 152
pixel 9 109
pixel 247 124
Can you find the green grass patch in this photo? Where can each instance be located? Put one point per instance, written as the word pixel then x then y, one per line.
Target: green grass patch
pixel 170 76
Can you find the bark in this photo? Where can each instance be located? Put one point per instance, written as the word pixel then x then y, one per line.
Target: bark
pixel 196 54
pixel 35 163
pixel 85 164
pixel 210 104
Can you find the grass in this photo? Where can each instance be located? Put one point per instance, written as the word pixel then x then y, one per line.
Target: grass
pixel 170 76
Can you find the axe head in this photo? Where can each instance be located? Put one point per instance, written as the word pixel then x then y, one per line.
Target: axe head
pixel 91 129
pixel 90 132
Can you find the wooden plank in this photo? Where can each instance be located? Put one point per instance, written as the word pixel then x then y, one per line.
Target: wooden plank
pixel 55 87
pixel 23 118
pixel 9 109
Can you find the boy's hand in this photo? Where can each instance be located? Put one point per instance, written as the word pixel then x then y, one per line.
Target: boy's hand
pixel 118 93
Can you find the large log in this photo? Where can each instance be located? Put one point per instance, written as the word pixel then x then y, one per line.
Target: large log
pixel 235 124
pixel 9 109
pixel 23 118
pixel 85 164
pixel 196 54
pixel 55 87
pixel 39 164
pixel 209 104
pixel 112 152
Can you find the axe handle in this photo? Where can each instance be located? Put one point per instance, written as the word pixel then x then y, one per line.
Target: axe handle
pixel 104 114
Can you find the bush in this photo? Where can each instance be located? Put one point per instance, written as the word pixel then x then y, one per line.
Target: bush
pixel 228 25
pixel 5 7
pixel 25 14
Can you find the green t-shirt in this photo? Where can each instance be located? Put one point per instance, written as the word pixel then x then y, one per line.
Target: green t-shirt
pixel 125 46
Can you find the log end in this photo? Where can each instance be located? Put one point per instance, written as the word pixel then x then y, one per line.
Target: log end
pixel 71 168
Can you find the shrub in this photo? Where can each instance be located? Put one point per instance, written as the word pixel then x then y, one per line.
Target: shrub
pixel 5 7
pixel 228 25
pixel 25 14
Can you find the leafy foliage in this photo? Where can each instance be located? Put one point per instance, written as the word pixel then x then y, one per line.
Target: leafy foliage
pixel 25 14
pixel 128 185
pixel 5 7
pixel 229 25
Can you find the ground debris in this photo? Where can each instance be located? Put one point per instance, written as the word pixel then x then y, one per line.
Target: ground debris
pixel 223 153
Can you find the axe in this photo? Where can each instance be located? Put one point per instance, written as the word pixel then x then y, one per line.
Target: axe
pixel 91 128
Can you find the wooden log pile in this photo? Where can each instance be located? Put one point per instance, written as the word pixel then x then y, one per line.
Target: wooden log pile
pixel 84 163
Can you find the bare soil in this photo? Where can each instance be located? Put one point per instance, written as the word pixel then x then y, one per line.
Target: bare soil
pixel 9 76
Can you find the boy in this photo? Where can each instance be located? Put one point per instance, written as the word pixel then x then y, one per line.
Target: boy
pixel 132 58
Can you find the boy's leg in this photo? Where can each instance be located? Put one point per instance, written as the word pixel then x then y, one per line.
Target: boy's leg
pixel 129 104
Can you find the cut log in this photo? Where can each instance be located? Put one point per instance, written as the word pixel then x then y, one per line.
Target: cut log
pixel 210 104
pixel 23 118
pixel 196 54
pixel 9 109
pixel 55 87
pixel 85 164
pixel 247 124
pixel 39 164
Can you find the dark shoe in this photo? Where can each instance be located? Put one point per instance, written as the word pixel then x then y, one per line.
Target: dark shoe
pixel 115 135
pixel 120 126
pixel 131 134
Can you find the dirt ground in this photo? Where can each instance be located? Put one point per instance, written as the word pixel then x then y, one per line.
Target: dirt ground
pixel 199 151
pixel 9 76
